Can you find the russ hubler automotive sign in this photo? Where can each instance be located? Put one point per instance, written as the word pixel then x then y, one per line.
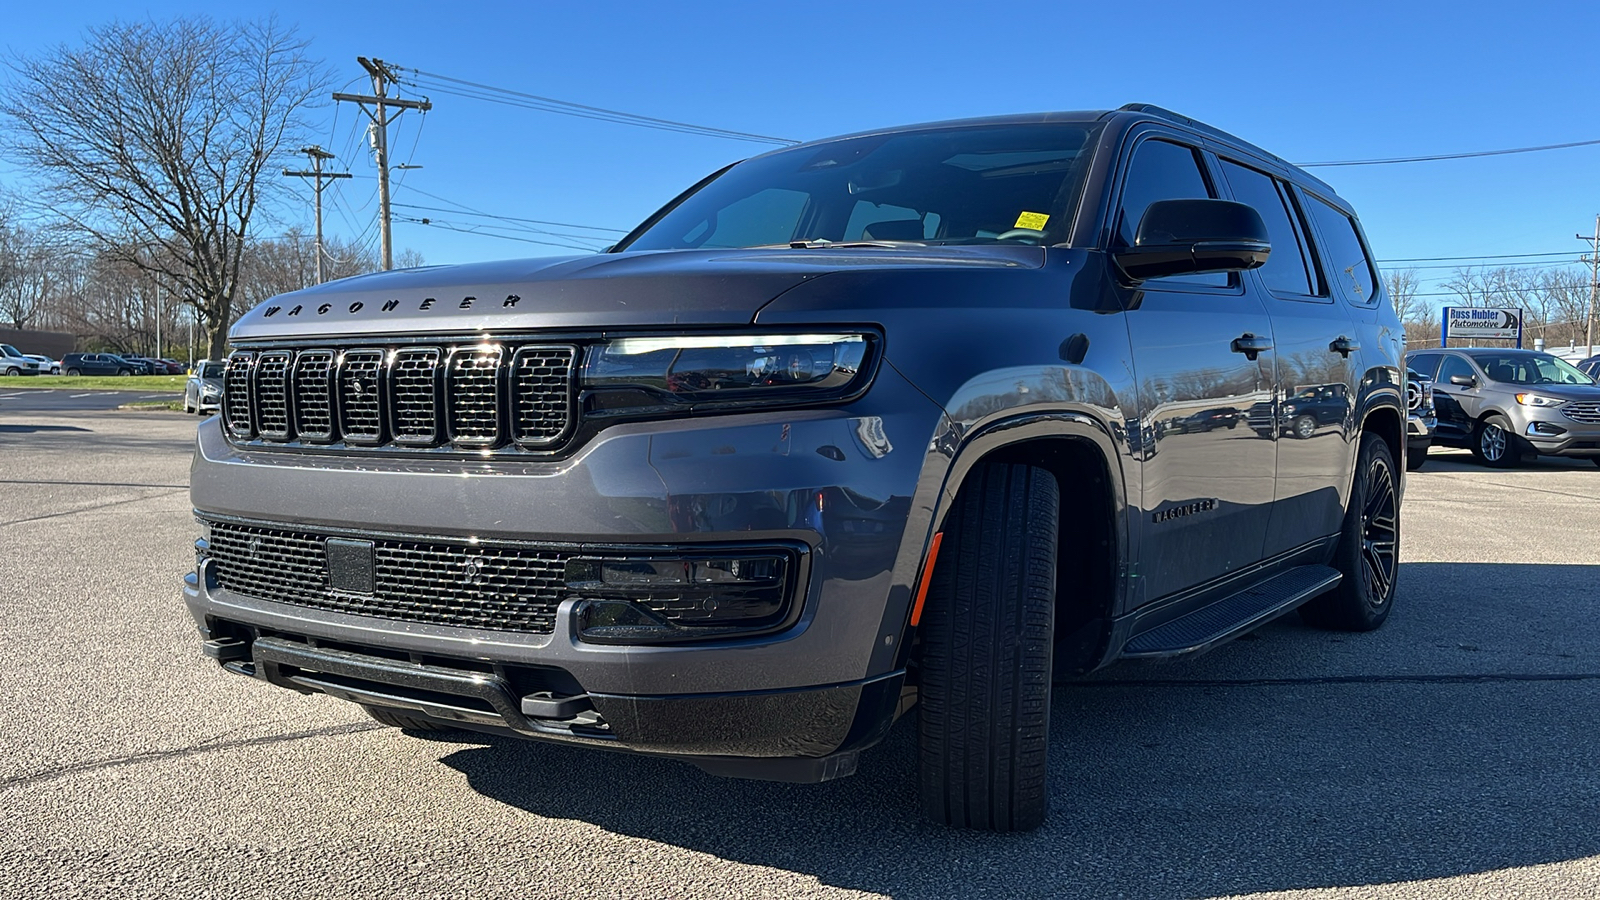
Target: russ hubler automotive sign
pixel 1482 324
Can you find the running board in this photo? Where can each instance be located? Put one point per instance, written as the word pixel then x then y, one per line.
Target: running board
pixel 1231 616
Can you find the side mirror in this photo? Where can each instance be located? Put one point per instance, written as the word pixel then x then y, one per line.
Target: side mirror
pixel 1185 237
pixel 1463 380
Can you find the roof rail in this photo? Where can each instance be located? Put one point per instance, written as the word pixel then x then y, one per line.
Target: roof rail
pixel 1161 112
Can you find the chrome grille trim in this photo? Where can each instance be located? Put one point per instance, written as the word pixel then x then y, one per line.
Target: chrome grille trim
pixel 466 396
pixel 543 381
pixel 361 396
pixel 475 396
pixel 1585 411
pixel 272 394
pixel 313 395
pixel 414 396
pixel 236 395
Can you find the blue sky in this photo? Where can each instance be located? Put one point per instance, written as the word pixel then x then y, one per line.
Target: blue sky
pixel 1307 81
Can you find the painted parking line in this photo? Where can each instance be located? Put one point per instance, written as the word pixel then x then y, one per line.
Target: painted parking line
pixel 9 396
pixel 77 396
pixel 154 396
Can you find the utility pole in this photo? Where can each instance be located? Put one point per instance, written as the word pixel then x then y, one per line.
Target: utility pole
pixel 317 155
pixel 381 102
pixel 1593 259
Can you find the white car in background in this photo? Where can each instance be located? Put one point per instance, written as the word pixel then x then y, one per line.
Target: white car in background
pixel 47 366
pixel 12 362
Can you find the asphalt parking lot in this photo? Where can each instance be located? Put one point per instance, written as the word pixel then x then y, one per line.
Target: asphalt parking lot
pixel 1450 754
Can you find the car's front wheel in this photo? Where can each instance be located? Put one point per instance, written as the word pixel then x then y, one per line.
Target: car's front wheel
pixel 1495 443
pixel 1303 427
pixel 1368 555
pixel 987 643
pixel 13 370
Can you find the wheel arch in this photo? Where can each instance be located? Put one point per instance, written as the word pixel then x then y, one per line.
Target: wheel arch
pixel 1094 547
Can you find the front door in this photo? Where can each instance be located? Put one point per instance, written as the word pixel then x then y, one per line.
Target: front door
pixel 1207 476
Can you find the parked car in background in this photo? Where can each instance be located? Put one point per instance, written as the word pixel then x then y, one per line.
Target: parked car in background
pixel 147 365
pixel 1207 419
pixel 173 366
pixel 47 366
pixel 1505 404
pixel 99 364
pixel 14 362
pixel 1590 367
pixel 202 393
pixel 1421 419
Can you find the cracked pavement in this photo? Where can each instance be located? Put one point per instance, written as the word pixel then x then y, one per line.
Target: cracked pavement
pixel 1449 754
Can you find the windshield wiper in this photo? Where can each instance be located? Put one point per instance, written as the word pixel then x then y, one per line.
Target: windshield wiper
pixel 820 243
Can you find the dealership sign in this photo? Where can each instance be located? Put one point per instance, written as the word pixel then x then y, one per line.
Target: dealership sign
pixel 1473 324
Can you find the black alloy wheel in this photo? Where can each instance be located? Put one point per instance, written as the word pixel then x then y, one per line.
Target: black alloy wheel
pixel 1368 555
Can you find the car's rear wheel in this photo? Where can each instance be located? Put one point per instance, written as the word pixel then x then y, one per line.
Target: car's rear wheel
pixel 74 373
pixel 1495 443
pixel 987 644
pixel 1368 554
pixel 397 719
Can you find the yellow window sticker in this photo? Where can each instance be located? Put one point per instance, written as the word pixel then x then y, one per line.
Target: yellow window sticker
pixel 1032 220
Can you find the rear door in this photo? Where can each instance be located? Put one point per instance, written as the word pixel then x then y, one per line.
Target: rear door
pixel 1207 493
pixel 1314 377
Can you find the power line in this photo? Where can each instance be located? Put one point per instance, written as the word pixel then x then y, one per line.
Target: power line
pixel 482 231
pixel 511 218
pixel 1487 256
pixel 478 91
pixel 1441 156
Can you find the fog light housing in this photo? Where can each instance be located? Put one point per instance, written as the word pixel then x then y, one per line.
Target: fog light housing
pixel 1545 429
pixel 661 599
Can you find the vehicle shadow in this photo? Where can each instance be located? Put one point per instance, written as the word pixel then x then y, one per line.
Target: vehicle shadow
pixel 1451 742
pixel 36 429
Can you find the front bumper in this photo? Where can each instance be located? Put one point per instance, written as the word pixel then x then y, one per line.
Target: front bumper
pixel 1551 433
pixel 1419 431
pixel 837 484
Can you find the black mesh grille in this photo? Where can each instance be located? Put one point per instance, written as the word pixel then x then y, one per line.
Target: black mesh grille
pixel 236 394
pixel 468 397
pixel 473 395
pixel 469 586
pixel 313 395
pixel 360 389
pixel 541 390
pixel 414 395
pixel 272 395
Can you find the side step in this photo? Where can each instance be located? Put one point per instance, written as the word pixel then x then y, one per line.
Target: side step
pixel 1232 615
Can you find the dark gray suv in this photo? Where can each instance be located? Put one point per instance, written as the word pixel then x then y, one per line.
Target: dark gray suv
pixel 869 424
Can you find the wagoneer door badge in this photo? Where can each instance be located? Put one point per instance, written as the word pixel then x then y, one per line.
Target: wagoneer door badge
pixel 1183 510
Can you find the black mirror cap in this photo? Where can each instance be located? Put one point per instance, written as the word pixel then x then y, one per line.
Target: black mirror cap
pixel 1188 237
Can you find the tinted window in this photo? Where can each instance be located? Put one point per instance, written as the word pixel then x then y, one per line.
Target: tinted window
pixel 1286 271
pixel 1426 364
pixel 1452 366
pixel 1016 183
pixel 1344 261
pixel 1162 171
pixel 1521 368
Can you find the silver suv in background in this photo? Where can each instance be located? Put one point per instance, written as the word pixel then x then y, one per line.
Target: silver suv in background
pixel 12 362
pixel 1505 404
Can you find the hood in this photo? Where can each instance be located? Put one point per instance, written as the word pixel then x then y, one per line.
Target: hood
pixel 593 292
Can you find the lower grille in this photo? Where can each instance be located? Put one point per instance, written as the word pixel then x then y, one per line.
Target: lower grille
pixel 463 585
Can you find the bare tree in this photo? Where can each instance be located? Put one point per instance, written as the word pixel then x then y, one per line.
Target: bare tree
pixel 152 138
pixel 1403 287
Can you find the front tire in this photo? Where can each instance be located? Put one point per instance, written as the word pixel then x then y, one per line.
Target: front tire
pixel 1303 427
pixel 987 645
pixel 1494 443
pixel 1368 554
pixel 13 371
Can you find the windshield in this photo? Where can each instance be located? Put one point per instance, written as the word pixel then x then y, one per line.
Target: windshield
pixel 211 370
pixel 966 185
pixel 1511 368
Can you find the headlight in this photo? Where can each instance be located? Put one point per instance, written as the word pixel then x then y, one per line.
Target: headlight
pixel 1528 399
pixel 210 390
pixel 630 374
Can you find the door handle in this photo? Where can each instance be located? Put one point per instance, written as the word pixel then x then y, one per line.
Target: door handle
pixel 1250 345
pixel 1344 346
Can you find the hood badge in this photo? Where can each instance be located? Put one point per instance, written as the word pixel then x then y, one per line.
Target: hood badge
pixel 427 304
